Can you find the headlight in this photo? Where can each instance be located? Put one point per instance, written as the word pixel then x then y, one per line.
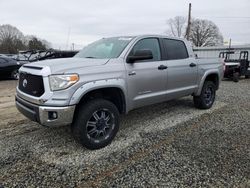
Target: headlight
pixel 64 81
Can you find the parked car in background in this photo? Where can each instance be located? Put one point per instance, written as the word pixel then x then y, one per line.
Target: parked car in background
pixel 9 63
pixel 7 55
pixel 9 67
pixel 39 55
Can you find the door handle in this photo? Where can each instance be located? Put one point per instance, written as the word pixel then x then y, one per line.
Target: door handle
pixel 192 65
pixel 132 73
pixel 162 67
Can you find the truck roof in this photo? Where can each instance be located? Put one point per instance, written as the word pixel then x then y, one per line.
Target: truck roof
pixel 148 35
pixel 160 36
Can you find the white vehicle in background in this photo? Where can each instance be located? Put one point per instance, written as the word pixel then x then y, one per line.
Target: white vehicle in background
pixel 235 68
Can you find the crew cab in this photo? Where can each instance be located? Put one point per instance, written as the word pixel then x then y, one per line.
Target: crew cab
pixel 113 76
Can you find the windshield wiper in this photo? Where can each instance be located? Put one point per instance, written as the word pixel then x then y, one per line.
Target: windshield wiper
pixel 90 57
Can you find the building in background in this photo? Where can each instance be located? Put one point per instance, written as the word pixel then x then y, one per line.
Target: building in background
pixel 214 51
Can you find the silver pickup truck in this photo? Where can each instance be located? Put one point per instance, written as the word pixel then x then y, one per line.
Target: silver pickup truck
pixel 110 77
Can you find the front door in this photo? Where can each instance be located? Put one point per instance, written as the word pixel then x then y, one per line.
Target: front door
pixel 147 79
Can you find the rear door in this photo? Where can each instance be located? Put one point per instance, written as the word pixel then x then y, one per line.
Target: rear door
pixel 182 70
pixel 147 79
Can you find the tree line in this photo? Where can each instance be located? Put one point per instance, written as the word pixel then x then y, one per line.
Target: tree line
pixel 13 40
pixel 202 32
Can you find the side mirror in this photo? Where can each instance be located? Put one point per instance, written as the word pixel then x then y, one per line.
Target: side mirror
pixel 140 55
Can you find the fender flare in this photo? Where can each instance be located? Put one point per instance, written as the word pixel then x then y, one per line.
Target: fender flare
pixel 99 84
pixel 206 74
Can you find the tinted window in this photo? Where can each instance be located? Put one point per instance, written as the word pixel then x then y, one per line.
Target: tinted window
pixel 175 49
pixel 148 44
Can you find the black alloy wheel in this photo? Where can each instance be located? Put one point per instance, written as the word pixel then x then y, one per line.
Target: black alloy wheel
pixel 100 125
pixel 207 97
pixel 96 123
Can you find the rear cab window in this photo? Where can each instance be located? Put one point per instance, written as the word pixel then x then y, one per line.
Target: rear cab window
pixel 174 49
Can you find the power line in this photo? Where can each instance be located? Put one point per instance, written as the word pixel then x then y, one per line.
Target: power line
pixel 226 17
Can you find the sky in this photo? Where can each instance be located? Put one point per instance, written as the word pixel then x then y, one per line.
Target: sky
pixel 64 22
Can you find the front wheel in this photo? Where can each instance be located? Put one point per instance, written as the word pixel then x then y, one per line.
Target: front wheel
pixel 207 96
pixel 96 123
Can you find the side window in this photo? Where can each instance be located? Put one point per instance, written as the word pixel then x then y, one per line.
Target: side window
pixel 175 49
pixel 148 44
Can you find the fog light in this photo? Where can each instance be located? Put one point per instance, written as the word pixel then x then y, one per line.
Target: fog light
pixel 53 115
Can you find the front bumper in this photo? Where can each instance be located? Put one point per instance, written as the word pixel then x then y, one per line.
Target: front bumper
pixel 46 115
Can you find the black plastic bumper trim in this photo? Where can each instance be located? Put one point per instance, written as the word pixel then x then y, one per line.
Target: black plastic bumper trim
pixel 29 110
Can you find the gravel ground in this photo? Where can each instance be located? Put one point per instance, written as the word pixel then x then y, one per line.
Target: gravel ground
pixel 165 145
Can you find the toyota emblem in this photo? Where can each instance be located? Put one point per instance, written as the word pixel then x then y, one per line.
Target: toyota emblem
pixel 25 82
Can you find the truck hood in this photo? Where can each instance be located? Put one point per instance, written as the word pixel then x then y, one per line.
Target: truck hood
pixel 69 64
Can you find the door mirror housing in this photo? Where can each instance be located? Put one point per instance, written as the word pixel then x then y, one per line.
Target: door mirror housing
pixel 140 55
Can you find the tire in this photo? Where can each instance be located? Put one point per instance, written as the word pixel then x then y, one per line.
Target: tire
pixel 207 96
pixel 14 74
pixel 236 77
pixel 96 123
pixel 246 76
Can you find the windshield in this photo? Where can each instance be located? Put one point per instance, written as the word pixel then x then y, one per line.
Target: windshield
pixel 105 48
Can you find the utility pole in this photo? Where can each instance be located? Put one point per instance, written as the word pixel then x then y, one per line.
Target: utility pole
pixel 229 46
pixel 189 22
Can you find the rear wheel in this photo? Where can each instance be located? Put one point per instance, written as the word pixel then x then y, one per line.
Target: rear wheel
pixel 96 123
pixel 207 96
pixel 236 77
pixel 15 74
